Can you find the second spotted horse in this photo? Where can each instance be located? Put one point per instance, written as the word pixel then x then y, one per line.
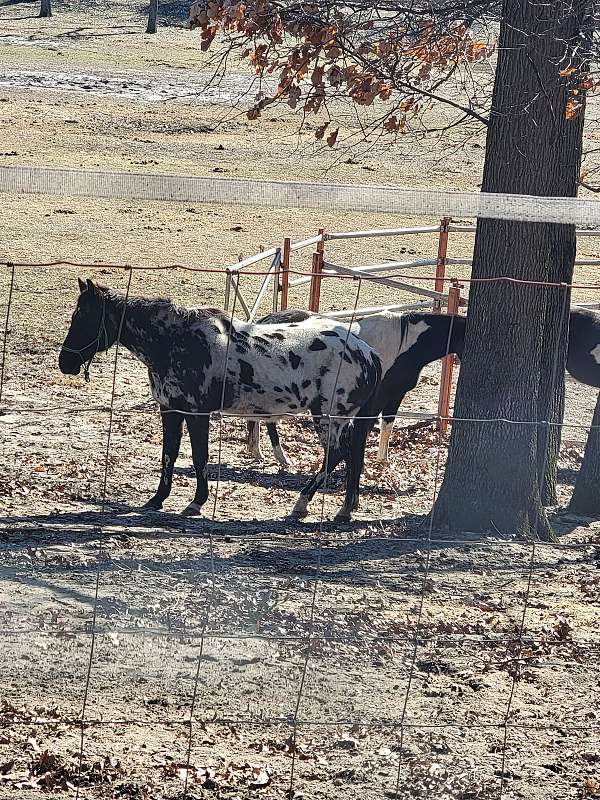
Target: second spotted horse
pixel 405 343
pixel 201 361
pixel 433 337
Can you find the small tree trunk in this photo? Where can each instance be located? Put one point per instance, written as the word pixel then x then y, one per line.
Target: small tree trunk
pixel 586 495
pixel 46 8
pixel 152 15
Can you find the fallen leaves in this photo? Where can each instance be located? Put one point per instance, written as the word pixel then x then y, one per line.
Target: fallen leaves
pixel 231 774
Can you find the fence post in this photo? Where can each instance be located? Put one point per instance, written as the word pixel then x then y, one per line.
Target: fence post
pixel 276 273
pixel 227 290
pixel 314 299
pixel 285 273
pixel 440 269
pixel 447 365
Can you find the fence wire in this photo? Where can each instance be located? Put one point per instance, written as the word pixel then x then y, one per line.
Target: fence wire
pixel 317 539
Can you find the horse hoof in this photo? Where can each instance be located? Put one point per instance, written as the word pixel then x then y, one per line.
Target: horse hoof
pixel 193 510
pixel 343 516
pixel 280 457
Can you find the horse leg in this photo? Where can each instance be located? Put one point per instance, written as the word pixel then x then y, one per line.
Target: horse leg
pixel 253 440
pixel 197 426
pixel 331 439
pixel 308 491
pixel 355 454
pixel 388 417
pixel 172 425
pixel 280 456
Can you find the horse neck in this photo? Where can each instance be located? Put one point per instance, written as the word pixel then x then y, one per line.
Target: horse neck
pixel 445 335
pixel 449 334
pixel 137 323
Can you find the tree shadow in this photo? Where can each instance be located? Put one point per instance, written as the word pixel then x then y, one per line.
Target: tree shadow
pixel 283 479
pixel 171 13
pixel 33 3
pixel 567 475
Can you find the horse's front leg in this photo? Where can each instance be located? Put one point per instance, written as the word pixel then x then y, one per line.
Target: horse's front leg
pixel 198 430
pixel 172 425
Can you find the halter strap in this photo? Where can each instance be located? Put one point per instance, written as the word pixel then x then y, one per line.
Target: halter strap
pixel 101 332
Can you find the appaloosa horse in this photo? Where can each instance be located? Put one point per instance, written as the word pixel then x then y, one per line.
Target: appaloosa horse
pixel 201 361
pixel 405 343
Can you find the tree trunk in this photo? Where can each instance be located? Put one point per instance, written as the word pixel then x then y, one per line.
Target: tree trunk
pixel 551 403
pixel 515 345
pixel 586 495
pixel 46 8
pixel 152 15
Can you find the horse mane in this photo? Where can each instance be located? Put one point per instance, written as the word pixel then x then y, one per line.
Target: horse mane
pixel 168 306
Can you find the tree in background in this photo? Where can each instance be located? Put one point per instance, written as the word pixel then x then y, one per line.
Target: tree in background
pixel 152 16
pixel 407 62
pixel 46 8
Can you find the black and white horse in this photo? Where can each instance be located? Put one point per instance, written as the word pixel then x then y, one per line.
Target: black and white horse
pixel 201 361
pixel 583 361
pixel 583 355
pixel 405 343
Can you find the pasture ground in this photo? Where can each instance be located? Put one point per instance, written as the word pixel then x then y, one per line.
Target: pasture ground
pixel 397 629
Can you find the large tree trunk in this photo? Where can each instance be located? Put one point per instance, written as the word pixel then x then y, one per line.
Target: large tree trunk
pixel 515 346
pixel 46 9
pixel 152 15
pixel 586 495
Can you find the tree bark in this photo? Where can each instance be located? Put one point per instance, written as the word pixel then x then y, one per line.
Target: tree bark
pixel 586 495
pixel 152 16
pixel 46 8
pixel 515 347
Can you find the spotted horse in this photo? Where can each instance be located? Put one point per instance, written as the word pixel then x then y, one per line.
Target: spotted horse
pixel 201 361
pixel 444 334
pixel 405 343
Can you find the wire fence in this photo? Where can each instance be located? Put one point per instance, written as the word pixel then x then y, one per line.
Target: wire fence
pixel 318 538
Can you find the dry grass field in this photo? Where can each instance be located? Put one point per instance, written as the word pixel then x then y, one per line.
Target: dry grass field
pixel 241 655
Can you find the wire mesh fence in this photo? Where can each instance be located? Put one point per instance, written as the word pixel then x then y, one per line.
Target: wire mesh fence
pixel 242 653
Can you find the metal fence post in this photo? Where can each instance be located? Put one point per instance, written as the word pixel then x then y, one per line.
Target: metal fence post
pixel 285 273
pixel 440 269
pixel 447 365
pixel 317 270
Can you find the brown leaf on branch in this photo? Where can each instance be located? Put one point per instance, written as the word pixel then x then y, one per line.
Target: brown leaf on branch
pixel 320 132
pixel 332 138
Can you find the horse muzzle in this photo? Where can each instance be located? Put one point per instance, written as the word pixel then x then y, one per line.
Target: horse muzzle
pixel 69 363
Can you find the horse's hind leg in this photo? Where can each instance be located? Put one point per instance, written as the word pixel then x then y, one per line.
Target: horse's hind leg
pixel 198 430
pixel 335 446
pixel 172 425
pixel 280 456
pixel 318 481
pixel 355 454
pixel 253 439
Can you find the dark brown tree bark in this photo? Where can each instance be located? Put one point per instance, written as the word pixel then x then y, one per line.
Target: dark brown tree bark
pixel 515 347
pixel 46 8
pixel 152 16
pixel 586 495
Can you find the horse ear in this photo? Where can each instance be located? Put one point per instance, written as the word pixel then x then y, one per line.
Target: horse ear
pixel 91 286
pixel 82 285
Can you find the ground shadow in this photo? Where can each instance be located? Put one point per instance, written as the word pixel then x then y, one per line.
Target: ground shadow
pixel 283 479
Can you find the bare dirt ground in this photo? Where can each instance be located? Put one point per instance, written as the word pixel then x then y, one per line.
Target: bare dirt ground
pixel 365 658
